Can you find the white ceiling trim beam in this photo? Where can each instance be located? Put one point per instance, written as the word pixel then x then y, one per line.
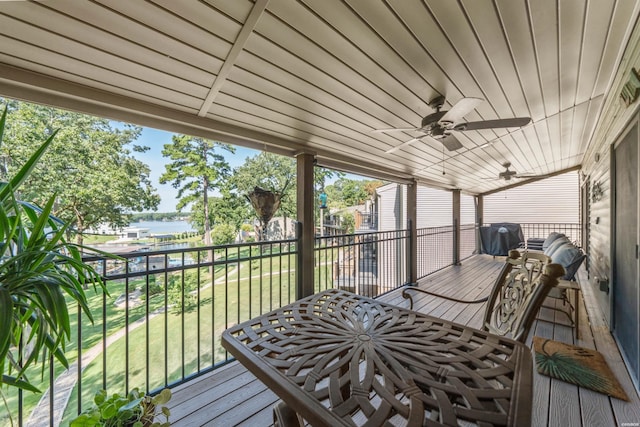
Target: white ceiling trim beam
pixel 349 166
pixel 529 181
pixel 33 87
pixel 234 53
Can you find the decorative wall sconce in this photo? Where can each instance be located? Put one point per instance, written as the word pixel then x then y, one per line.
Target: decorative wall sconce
pixel 631 88
pixel 597 192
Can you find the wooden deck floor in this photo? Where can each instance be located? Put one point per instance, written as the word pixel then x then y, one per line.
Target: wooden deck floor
pixel 232 396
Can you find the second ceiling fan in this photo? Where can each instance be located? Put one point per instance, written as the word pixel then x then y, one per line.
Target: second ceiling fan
pixel 507 174
pixel 441 124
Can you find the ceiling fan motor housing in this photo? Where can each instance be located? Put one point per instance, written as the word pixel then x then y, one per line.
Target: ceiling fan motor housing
pixel 429 123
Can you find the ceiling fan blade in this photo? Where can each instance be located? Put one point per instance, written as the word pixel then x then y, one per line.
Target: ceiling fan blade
pixel 461 109
pixel 393 130
pixel 526 175
pixel 404 144
pixel 450 142
pixel 489 124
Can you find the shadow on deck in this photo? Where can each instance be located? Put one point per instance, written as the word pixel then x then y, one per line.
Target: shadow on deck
pixel 232 396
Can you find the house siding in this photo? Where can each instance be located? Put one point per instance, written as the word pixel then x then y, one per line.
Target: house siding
pixel 596 169
pixel 552 200
pixel 434 207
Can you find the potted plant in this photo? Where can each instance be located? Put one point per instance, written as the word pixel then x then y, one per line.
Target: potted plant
pixel 133 410
pixel 38 270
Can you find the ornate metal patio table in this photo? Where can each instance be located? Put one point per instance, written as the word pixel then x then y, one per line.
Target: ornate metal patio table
pixel 339 359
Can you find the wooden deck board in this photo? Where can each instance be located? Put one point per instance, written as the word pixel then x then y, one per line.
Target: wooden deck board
pixel 231 396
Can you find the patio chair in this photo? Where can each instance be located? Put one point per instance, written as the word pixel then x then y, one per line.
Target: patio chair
pixel 516 296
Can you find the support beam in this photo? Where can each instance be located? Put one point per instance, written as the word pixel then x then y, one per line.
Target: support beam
pixel 456 227
pixel 305 210
pixel 412 201
pixel 249 24
pixel 479 221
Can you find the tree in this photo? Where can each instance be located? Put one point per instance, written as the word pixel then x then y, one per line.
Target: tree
pixel 278 174
pixel 89 166
pixel 270 172
pixel 223 234
pixel 230 208
pixel 196 168
pixel 351 192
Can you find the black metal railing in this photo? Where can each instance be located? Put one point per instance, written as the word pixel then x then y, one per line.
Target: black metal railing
pixel 161 322
pixel 541 230
pixel 435 249
pixel 366 221
pixel 369 264
pixel 468 233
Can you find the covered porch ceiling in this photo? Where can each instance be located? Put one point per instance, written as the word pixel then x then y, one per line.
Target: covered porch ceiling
pixel 318 76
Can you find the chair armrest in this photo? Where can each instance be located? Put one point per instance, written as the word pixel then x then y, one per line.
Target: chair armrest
pixel 408 296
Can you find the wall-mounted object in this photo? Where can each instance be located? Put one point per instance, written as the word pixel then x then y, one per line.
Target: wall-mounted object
pixel 631 89
pixel 596 192
pixel 602 283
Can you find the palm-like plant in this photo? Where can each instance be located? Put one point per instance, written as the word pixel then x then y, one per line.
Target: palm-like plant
pixel 38 269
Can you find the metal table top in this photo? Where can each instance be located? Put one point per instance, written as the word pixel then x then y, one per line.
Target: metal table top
pixel 337 358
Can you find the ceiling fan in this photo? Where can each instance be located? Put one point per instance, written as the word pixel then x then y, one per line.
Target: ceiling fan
pixel 441 125
pixel 508 173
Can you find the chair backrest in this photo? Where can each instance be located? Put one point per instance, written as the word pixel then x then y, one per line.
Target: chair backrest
pixel 518 293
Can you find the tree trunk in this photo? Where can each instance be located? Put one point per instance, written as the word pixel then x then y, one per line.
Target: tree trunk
pixel 80 229
pixel 207 221
pixel 207 224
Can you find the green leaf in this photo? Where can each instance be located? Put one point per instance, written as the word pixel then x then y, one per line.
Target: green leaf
pixel 108 411
pixel 162 398
pixel 25 385
pixel 100 397
pixel 26 169
pixel 6 316
pixel 132 404
pixel 3 120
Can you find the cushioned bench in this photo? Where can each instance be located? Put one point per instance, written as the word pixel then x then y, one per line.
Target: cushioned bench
pixel 559 248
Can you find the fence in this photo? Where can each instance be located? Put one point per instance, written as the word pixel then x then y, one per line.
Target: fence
pixel 161 320
pixel 366 263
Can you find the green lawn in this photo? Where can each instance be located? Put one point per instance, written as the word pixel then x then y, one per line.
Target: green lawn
pixel 242 290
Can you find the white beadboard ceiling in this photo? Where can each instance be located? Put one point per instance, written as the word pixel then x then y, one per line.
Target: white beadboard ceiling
pixel 318 76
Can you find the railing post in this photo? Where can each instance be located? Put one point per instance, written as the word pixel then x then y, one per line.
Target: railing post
pixel 456 227
pixel 299 263
pixel 412 243
pixel 479 219
pixel 412 258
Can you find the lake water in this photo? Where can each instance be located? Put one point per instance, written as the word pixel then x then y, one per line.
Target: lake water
pixel 164 227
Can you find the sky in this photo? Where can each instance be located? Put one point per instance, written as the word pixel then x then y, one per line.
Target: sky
pixel 155 140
